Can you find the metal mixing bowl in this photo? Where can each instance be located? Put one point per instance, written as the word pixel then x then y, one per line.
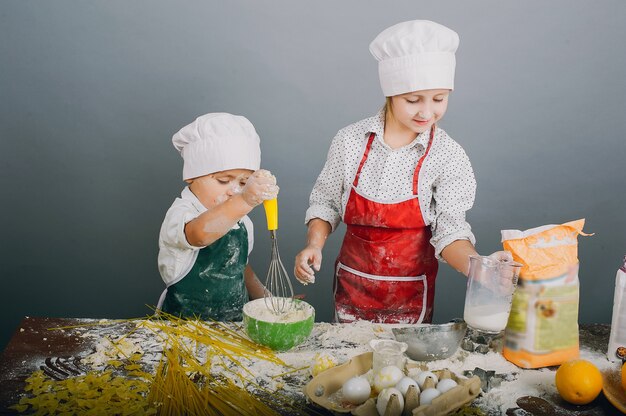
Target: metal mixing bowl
pixel 430 342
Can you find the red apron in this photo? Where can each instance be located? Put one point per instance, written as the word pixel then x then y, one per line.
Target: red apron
pixel 386 267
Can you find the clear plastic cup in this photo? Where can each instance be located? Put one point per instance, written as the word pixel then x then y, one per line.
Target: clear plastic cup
pixel 388 352
pixel 490 287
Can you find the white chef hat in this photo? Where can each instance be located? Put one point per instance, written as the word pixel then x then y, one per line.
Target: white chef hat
pixel 215 142
pixel 415 55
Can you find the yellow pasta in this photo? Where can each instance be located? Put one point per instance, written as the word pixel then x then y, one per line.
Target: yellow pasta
pixel 215 384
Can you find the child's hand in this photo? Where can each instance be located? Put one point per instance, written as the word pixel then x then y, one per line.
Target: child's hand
pixel 500 285
pixel 260 186
pixel 308 261
pixel 501 256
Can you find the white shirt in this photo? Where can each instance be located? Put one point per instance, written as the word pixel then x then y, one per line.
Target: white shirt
pixel 176 255
pixel 446 185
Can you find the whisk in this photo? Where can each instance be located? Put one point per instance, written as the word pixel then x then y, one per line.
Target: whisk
pixel 278 290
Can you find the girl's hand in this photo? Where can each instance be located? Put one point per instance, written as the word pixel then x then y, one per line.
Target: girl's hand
pixel 308 261
pixel 260 186
pixel 500 285
pixel 501 256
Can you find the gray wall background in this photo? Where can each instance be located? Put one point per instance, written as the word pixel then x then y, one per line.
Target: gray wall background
pixel 91 93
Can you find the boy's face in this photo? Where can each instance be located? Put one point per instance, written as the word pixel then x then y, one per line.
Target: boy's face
pixel 218 187
pixel 419 110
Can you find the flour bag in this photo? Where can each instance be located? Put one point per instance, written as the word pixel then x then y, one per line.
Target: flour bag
pixel 543 325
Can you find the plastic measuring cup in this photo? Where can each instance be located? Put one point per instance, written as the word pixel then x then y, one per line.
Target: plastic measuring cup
pixel 388 352
pixel 490 287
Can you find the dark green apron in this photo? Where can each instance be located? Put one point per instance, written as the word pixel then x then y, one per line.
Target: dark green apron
pixel 214 288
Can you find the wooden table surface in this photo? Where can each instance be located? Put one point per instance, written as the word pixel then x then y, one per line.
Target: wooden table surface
pixel 34 346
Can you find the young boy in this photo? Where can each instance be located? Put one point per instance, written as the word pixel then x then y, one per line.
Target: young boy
pixel 206 235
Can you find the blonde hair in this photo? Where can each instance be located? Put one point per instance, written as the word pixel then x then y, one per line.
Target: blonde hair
pixel 387 109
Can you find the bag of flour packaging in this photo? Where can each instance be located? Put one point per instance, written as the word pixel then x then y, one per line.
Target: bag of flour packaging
pixel 543 325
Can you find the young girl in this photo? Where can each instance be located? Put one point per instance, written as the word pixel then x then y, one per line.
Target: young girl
pixel 401 185
pixel 206 236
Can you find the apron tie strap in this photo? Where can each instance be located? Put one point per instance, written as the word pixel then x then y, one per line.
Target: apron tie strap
pixel 419 163
pixel 363 159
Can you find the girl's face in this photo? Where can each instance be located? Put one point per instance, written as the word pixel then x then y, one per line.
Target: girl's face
pixel 417 111
pixel 218 187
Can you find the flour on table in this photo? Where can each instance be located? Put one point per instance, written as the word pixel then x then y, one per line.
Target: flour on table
pixel 522 382
pixel 112 349
pixel 343 342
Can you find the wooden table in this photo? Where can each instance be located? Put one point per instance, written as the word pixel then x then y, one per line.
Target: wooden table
pixel 35 346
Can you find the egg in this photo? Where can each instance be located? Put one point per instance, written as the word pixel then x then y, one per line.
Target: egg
pixel 404 383
pixel 387 377
pixel 356 390
pixel 446 384
pixel 383 399
pixel 427 396
pixel 421 378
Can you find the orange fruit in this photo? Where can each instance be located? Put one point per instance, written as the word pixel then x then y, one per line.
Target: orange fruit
pixel 578 381
pixel 624 376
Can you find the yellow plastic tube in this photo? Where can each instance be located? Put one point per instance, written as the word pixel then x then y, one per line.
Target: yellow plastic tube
pixel 271 213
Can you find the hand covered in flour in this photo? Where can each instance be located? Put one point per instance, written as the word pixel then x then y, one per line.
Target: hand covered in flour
pixel 259 187
pixel 308 261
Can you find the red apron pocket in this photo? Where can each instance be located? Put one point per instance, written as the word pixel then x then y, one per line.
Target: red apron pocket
pixel 389 299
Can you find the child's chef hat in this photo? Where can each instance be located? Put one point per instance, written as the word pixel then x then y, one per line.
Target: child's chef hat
pixel 415 55
pixel 216 142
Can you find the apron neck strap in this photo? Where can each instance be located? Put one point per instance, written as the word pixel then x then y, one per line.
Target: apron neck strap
pixel 363 159
pixel 370 140
pixel 421 161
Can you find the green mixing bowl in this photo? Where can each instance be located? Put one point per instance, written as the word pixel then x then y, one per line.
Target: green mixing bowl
pixel 281 332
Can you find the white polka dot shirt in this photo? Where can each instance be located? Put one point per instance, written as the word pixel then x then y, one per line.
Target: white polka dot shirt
pixel 446 188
